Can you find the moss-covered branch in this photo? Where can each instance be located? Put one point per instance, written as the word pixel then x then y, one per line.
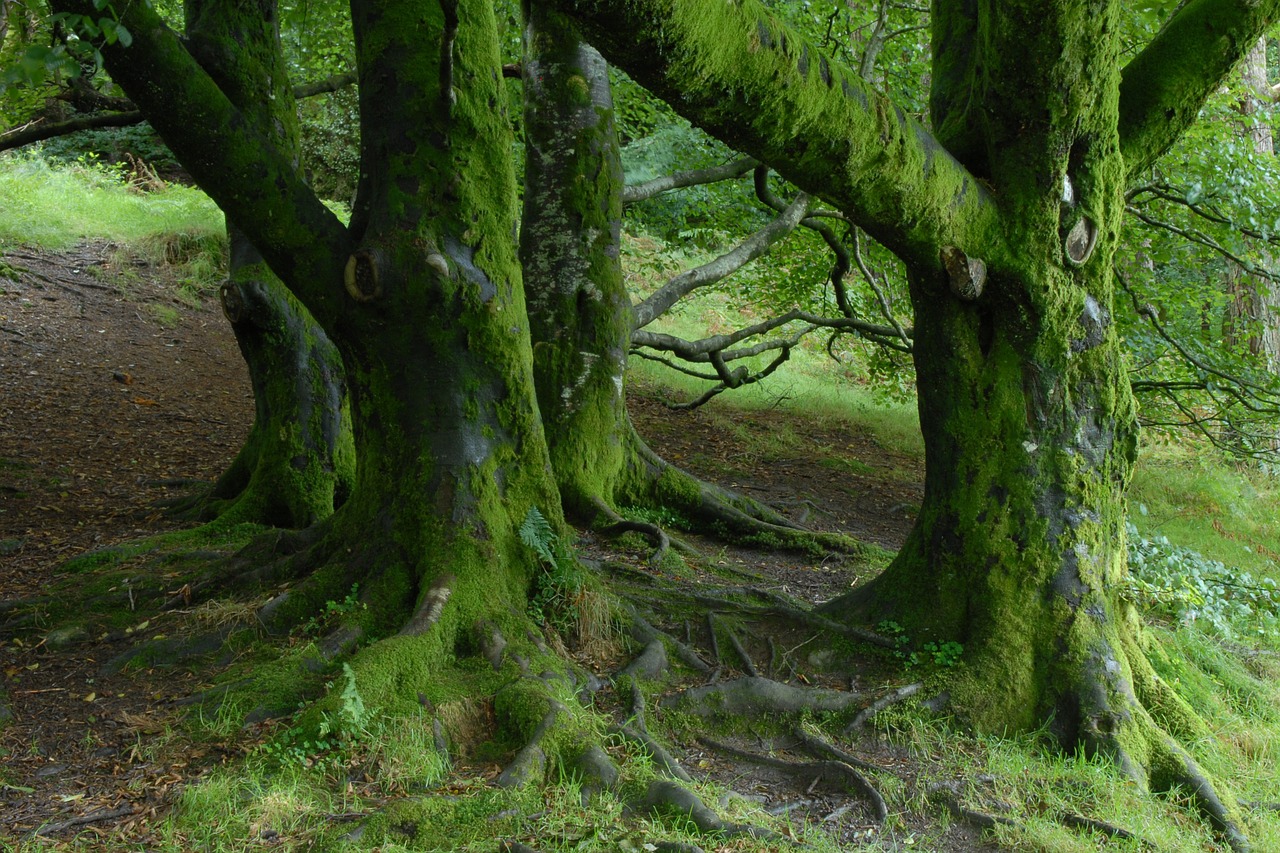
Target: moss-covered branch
pixel 746 78
pixel 1163 88
pixel 304 243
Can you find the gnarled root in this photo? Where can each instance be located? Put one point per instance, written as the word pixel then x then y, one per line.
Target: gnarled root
pixel 754 695
pixel 825 770
pixel 665 795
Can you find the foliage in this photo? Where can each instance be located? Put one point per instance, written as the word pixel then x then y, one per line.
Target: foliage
pixel 111 145
pixel 1180 584
pixel 703 216
pixel 330 143
pixel 333 612
pixel 558 586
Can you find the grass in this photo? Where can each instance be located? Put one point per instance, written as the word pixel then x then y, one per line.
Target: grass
pixel 57 208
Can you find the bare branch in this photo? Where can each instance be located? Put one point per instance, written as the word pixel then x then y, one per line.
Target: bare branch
pixel 748 250
pixel 1200 238
pixel 41 130
pixel 691 178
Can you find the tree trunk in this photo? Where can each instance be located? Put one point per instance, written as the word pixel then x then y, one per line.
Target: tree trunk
pixel 297 461
pixel 451 456
pixel 579 310
pixel 1029 423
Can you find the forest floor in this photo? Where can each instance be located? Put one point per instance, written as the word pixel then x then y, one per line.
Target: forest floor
pixel 113 390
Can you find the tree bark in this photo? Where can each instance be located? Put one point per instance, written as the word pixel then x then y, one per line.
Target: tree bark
pixel 570 246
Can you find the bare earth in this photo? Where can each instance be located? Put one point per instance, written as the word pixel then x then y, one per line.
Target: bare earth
pixel 105 402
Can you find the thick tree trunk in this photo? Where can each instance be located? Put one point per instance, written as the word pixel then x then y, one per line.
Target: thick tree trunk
pixel 451 456
pixel 1029 423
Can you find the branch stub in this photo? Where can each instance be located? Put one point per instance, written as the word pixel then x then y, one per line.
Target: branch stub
pixel 233 307
pixel 1080 241
pixel 967 276
pixel 361 276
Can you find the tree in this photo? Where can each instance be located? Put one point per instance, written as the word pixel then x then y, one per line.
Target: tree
pixel 582 321
pixel 1007 217
pixel 421 294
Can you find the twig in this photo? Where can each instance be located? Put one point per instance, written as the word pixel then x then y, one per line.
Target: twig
pixel 91 817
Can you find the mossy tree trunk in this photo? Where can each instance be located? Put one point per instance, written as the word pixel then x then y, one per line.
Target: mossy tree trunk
pixel 570 245
pixel 297 461
pixel 421 294
pixel 1007 219
pixel 580 313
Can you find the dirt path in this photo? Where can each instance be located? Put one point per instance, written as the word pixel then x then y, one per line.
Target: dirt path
pixel 104 397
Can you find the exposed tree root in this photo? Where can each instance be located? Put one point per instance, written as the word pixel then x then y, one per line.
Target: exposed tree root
pixel 944 793
pixel 867 713
pixel 656 535
pixel 947 794
pixel 820 746
pixel 650 663
pixel 1088 824
pixel 643 632
pixel 530 762
pixel 757 696
pixel 638 733
pixel 783 608
pixel 271 559
pixel 823 770
pixel 739 516
pixel 515 847
pixel 666 796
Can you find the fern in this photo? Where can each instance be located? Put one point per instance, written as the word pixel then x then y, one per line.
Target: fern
pixel 353 710
pixel 536 532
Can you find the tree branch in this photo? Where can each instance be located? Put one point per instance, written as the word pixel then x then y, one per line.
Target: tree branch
pixel 40 131
pixel 746 78
pixel 691 178
pixel 748 250
pixel 255 185
pixel 1163 88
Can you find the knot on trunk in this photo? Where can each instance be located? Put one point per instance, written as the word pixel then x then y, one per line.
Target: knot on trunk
pixel 967 276
pixel 361 276
pixel 1080 240
pixel 233 307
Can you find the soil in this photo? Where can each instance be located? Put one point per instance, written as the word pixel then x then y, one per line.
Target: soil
pixel 113 390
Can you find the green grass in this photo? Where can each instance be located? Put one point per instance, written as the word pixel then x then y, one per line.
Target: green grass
pixel 56 208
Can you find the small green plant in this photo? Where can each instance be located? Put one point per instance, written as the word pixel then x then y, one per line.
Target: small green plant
pixel 1183 585
pixel 946 655
pixel 559 585
pixel 663 516
pixel 334 611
